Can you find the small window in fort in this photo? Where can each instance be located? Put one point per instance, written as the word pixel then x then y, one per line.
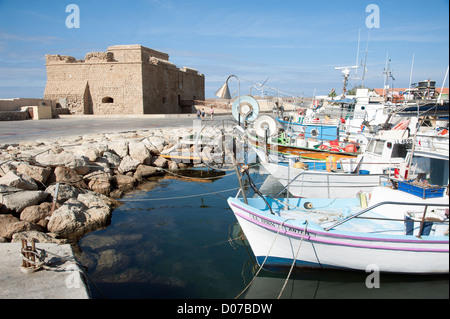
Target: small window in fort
pixel 107 99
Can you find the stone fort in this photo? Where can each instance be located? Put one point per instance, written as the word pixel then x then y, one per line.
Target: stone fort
pixel 127 79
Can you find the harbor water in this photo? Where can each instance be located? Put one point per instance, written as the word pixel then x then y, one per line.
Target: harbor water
pixel 178 239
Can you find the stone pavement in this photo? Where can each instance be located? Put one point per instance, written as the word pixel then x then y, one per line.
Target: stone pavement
pixel 73 125
pixel 62 281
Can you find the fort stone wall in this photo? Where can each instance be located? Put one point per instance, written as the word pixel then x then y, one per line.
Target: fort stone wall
pixel 127 79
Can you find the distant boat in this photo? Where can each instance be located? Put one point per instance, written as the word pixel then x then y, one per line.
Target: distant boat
pixel 342 177
pixel 284 145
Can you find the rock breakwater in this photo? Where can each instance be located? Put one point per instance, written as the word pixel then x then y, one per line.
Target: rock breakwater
pixel 87 174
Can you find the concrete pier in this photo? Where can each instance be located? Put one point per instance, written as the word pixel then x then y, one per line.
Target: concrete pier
pixel 60 279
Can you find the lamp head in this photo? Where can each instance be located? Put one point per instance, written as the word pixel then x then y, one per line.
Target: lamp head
pixel 224 92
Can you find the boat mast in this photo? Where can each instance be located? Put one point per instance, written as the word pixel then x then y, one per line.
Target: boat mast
pixel 365 61
pixel 386 73
pixel 357 56
pixel 443 83
pixel 410 76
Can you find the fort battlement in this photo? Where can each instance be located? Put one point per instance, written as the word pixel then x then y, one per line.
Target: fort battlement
pixel 118 53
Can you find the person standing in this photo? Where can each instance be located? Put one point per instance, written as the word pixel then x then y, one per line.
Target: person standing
pixel 212 113
pixel 203 113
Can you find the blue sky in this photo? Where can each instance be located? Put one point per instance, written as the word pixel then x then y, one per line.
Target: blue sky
pixel 295 45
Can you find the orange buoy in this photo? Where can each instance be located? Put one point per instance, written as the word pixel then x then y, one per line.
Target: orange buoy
pixel 350 148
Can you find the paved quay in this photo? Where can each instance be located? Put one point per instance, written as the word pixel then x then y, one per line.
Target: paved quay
pixel 61 279
pixel 74 125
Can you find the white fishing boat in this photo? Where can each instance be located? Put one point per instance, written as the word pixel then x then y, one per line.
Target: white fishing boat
pixel 399 232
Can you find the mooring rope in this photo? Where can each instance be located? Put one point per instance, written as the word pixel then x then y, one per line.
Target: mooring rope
pixel 293 263
pixel 178 197
pixel 265 259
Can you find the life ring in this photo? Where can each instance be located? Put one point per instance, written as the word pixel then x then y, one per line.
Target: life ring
pixel 314 133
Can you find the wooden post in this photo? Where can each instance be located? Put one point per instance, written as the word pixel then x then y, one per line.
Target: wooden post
pixel 32 256
pixel 28 253
pixel 24 247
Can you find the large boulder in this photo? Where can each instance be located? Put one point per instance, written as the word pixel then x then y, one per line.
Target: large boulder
pixel 37 214
pixel 64 192
pixel 125 183
pixel 100 183
pixel 99 210
pixel 128 164
pixel 79 163
pixel 68 220
pixel 112 159
pixel 119 147
pixel 91 153
pixel 17 200
pixel 6 167
pixel 155 142
pixel 5 222
pixel 70 176
pixel 140 152
pixel 77 217
pixel 39 174
pixel 146 171
pixel 161 162
pixel 18 180
pixel 20 226
pixel 99 179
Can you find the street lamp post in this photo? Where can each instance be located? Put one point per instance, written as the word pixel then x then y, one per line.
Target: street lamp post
pixel 224 93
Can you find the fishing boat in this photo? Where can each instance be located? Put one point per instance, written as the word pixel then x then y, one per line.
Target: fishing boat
pixel 385 154
pixel 340 234
pixel 285 146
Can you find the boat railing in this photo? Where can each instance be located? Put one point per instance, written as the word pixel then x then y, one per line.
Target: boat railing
pixel 382 176
pixel 426 205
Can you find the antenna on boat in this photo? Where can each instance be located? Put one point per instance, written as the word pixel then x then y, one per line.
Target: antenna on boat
pixel 357 56
pixel 365 60
pixel 345 74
